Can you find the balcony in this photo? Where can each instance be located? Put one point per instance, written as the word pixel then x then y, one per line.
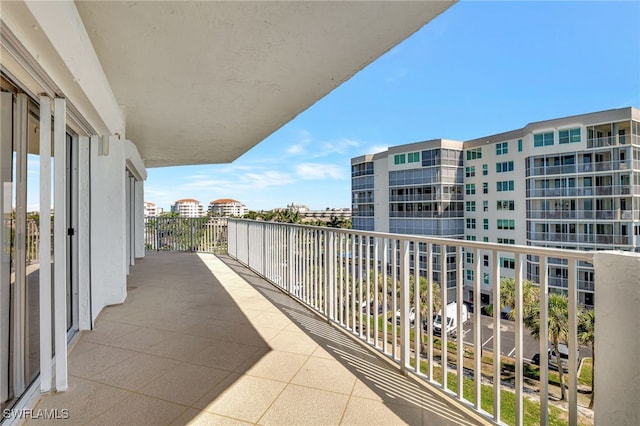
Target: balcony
pixel 287 329
pixel 203 339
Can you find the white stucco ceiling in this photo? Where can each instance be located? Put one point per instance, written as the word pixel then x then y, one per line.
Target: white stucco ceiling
pixel 203 82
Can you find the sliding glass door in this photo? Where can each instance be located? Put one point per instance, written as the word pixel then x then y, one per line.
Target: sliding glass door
pixel 20 239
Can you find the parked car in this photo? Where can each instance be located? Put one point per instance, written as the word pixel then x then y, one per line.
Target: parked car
pixel 412 315
pixel 564 357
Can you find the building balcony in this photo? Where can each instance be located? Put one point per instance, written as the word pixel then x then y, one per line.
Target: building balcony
pixel 286 329
pixel 202 339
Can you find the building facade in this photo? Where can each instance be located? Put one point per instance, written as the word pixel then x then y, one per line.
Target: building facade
pixel 226 207
pixel 150 209
pixel 571 183
pixel 412 189
pixel 188 207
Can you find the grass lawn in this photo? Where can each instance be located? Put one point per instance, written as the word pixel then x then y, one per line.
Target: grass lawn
pixel 585 372
pixel 531 411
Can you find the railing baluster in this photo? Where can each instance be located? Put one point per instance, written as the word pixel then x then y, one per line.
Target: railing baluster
pixel 497 385
pixel 330 271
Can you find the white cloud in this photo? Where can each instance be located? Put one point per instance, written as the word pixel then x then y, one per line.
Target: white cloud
pixel 340 146
pixel 295 149
pixel 266 179
pixel 314 171
pixel 376 149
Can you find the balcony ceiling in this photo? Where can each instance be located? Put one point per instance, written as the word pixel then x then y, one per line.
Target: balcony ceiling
pixel 203 82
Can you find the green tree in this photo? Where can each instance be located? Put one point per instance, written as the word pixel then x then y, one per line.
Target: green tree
pixel 586 336
pixel 530 298
pixel 252 215
pixel 335 222
pixel 558 326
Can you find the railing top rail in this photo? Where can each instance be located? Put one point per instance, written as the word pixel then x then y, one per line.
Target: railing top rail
pixel 580 255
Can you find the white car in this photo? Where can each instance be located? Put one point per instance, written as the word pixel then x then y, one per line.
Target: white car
pixel 412 315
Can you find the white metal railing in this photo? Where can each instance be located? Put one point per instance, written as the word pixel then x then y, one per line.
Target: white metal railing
pixel 362 280
pixel 201 234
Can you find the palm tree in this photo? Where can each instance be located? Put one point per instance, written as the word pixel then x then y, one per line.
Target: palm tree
pixel 530 298
pixel 558 315
pixel 334 222
pixel 586 336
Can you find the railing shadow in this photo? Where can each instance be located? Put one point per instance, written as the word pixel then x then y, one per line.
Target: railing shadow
pixel 379 375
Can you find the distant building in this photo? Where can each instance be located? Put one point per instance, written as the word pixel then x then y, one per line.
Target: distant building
pixel 300 208
pixel 227 207
pixel 188 207
pixel 150 209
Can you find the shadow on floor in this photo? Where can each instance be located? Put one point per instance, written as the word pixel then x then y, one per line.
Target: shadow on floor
pixel 378 375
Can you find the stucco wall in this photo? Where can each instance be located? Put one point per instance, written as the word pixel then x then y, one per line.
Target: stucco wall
pixel 108 227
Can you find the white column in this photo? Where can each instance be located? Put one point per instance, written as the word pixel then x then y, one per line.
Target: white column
pixel 46 351
pixel 617 339
pixel 139 218
pixel 60 242
pixel 84 231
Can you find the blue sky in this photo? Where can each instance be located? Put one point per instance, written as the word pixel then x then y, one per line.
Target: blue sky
pixel 478 69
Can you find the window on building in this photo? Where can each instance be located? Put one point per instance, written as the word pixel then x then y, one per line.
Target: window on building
pixel 505 205
pixel 508 263
pixel 543 139
pixel 485 239
pixel 471 223
pixel 470 171
pixel 431 157
pixel 470 206
pixel 474 154
pixel 399 159
pixel 470 189
pixel 506 166
pixel 485 278
pixel 502 148
pixel 506 224
pixel 485 260
pixel 485 223
pixel 414 157
pixel 506 241
pixel 469 274
pixel 485 169
pixel 485 187
pixel 519 145
pixel 470 237
pixel 506 185
pixel 569 135
pixel 469 257
pixel 485 206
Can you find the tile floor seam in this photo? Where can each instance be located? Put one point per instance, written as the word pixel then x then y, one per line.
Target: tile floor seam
pixel 137 392
pixel 346 406
pixel 180 403
pixel 283 389
pixel 137 352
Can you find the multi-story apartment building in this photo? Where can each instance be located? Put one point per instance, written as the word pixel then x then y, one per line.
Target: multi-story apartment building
pixel 227 207
pixel 570 183
pixel 188 207
pixel 412 189
pixel 150 209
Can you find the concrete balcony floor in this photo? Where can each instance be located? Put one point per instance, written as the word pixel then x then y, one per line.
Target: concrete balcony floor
pixel 202 340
